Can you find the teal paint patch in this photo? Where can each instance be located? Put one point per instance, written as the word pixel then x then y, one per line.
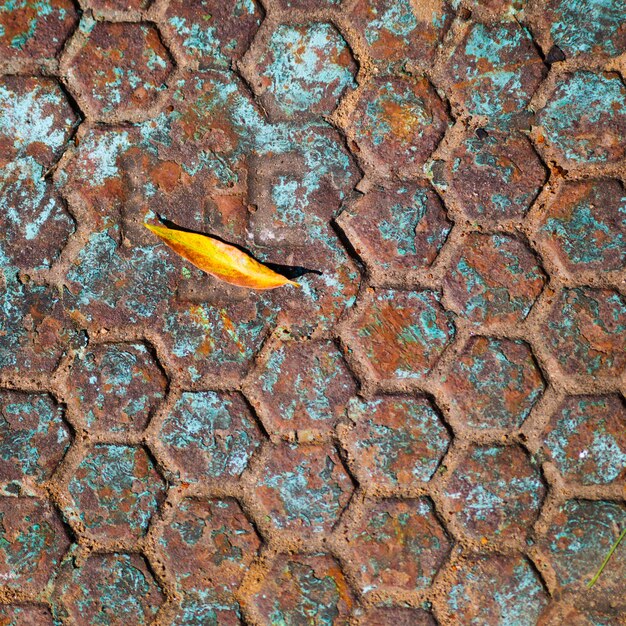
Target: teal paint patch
pixel 497 590
pixel 33 437
pixel 588 26
pixel 108 589
pixel 585 118
pixel 210 435
pixel 305 69
pixel 580 537
pixel 396 440
pixel 116 490
pixel 586 439
pixel 495 492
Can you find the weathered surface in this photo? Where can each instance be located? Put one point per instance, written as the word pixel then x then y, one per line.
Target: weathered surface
pixel 430 430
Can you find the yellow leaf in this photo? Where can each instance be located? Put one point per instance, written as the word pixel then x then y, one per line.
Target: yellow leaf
pixel 220 259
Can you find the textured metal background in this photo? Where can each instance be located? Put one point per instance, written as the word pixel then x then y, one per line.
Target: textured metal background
pixel 431 431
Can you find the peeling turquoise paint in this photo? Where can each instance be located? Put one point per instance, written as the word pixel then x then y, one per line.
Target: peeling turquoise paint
pixel 582 110
pixel 217 428
pixel 584 26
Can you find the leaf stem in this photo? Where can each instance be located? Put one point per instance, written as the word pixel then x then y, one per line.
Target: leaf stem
pixel 593 581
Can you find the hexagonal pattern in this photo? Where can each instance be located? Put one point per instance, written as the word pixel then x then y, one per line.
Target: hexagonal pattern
pixel 586 225
pixel 581 534
pixel 495 175
pixel 303 386
pixel 494 383
pixel 461 249
pixel 400 228
pixel 586 439
pixel 32 542
pixel 493 279
pixel 516 594
pixel 115 588
pixel 495 492
pixel 210 435
pixel 33 437
pixel 116 489
pixel 111 88
pixel 31 29
pixel 396 440
pixel 117 386
pixel 586 331
pixel 212 32
pixel 399 545
pixel 397 123
pixel 584 119
pixel 209 544
pixel 303 69
pixel 495 69
pixel 402 333
pixel 299 588
pixel 304 488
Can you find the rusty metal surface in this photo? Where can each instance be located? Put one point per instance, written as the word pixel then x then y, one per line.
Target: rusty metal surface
pixel 431 431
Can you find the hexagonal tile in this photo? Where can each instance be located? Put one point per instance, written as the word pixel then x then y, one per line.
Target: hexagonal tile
pixel 496 589
pixel 210 435
pixel 36 119
pixel 580 536
pixel 495 71
pixel 494 383
pixel 212 32
pixel 493 279
pixel 495 177
pixel 301 588
pixel 114 87
pixel 396 440
pixel 399 30
pixel 202 609
pixel 397 123
pixel 116 387
pixel 495 492
pixel 586 331
pixel 399 545
pixel 33 221
pixel 585 225
pixel 35 328
pixel 32 542
pixel 33 29
pixel 115 589
pixel 302 386
pixel 586 439
pixel 304 488
pixel 402 333
pixel 116 490
pixel 584 119
pixel 209 544
pixel 399 616
pixel 25 615
pixel 33 436
pixel 590 27
pixel 398 228
pixel 303 70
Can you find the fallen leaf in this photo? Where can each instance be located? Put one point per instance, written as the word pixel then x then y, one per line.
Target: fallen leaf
pixel 220 259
